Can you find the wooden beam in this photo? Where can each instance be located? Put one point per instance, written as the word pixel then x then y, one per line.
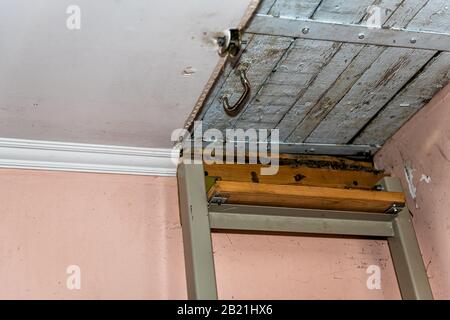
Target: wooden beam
pixel 298 175
pixel 305 197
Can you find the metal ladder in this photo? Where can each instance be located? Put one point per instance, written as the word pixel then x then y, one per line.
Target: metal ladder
pixel 198 218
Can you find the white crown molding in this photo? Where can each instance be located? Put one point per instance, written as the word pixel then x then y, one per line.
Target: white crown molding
pixel 61 156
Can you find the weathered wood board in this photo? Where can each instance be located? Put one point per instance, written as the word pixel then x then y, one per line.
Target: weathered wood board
pixel 335 92
pixel 296 175
pixel 248 193
pixel 292 76
pixel 376 87
pixel 408 101
pixel 314 106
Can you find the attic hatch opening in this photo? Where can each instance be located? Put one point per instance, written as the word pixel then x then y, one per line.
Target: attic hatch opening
pixel 326 78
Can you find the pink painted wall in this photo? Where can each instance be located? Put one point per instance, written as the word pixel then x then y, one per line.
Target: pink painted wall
pixel 281 267
pixel 423 146
pixel 124 233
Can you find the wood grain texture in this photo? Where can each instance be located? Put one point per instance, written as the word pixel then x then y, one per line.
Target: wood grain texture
pixel 292 76
pixel 406 11
pixel 427 15
pixel 265 6
pixel 392 13
pixel 434 16
pixel 386 10
pixel 342 11
pixel 376 87
pixel 305 197
pixel 311 117
pixel 412 98
pixel 326 78
pixel 338 77
pixel 299 175
pixel 294 9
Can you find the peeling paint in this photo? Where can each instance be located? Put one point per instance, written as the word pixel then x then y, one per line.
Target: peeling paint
pixel 189 71
pixel 409 174
pixel 425 178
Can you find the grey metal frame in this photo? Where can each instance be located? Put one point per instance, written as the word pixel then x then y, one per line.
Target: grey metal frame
pixel 198 219
pixel 312 148
pixel 198 254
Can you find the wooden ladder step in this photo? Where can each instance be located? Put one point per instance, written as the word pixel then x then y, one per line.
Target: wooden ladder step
pixel 308 197
pixel 302 175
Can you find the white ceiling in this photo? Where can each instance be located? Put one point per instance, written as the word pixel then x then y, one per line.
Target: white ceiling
pixel 118 80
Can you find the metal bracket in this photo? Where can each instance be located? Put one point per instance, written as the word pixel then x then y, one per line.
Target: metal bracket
pixel 395 208
pixel 351 150
pixel 217 199
pixel 350 33
pixel 230 43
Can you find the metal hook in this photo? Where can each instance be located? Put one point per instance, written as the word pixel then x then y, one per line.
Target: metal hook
pixel 234 110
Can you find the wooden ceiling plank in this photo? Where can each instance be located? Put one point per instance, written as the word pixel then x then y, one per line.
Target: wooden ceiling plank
pixel 433 17
pixel 296 76
pixel 322 83
pixel 294 9
pixel 411 13
pixel 292 127
pixel 342 11
pixel 268 114
pixel 406 11
pixel 265 6
pixel 411 99
pixel 387 9
pixel 343 84
pixel 315 114
pixel 376 87
pixel 429 16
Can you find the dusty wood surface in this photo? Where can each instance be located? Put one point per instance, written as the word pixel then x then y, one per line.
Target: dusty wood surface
pixel 330 162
